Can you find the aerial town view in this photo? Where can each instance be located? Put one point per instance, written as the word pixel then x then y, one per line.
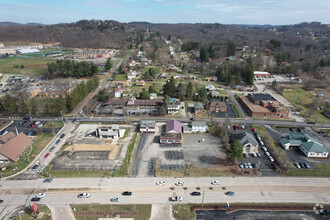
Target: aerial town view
pixel 164 109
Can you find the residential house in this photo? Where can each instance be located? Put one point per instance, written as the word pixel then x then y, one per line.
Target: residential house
pixel 214 93
pixel 153 96
pixel 147 127
pixel 140 82
pixel 162 76
pixel 238 87
pixel 13 146
pixel 173 109
pixel 249 143
pixel 118 92
pixel 198 108
pixel 210 87
pixel 172 134
pixel 172 67
pixel 132 74
pixel 199 126
pixel 178 77
pixel 311 147
pixel 192 77
pixel 218 106
pixel 211 78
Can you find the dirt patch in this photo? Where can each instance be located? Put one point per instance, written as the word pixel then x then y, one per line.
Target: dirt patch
pixel 90 147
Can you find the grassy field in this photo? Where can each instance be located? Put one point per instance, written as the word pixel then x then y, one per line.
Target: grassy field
pixel 73 174
pixel 301 99
pixel 183 211
pixel 44 212
pixel 120 77
pixel 321 170
pixel 143 211
pixel 32 66
pixel 38 145
pixel 54 124
pixel 193 171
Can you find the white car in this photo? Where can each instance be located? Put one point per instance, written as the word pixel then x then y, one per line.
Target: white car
pixel 264 149
pixel 215 182
pixel 39 195
pixel 179 184
pixel 250 165
pixel 37 122
pixel 271 159
pixel 267 153
pixel 84 195
pixel 160 183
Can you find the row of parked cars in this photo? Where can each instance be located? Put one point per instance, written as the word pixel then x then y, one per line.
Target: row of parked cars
pixel 270 158
pixel 302 165
pixel 248 165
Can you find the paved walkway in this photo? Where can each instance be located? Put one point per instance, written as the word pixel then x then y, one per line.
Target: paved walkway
pixel 60 212
pixel 161 212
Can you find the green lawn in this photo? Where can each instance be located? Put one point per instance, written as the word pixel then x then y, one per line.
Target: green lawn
pixel 54 124
pixel 32 66
pixel 143 211
pixel 28 213
pixel 301 99
pixel 321 170
pixel 73 174
pixel 120 77
pixel 183 211
pixel 38 145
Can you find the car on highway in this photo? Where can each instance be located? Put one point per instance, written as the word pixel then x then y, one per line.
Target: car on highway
pixel 160 183
pixel 52 148
pixel 46 155
pixel 62 135
pixel 195 193
pixel 84 195
pixel 126 193
pixel 35 199
pixel 179 184
pixel 230 193
pixel 114 199
pixel 40 195
pixel 48 180
pixel 215 182
pixel 58 141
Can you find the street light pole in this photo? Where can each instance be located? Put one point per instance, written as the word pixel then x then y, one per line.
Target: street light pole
pixel 203 198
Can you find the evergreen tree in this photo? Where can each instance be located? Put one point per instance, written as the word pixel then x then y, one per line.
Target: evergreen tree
pixel 10 104
pixel 189 91
pixel 203 55
pixel 108 64
pixel 235 152
pixel 152 89
pixel 144 94
pixel 249 71
pixel 231 48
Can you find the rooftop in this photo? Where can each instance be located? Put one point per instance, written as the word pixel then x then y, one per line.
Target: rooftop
pixel 173 125
pixel 262 97
pixel 148 124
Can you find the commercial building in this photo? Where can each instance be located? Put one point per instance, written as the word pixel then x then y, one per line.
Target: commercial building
pixel 110 132
pixel 147 127
pixel 218 106
pixel 311 147
pixel 12 146
pixel 249 143
pixel 172 134
pixel 262 105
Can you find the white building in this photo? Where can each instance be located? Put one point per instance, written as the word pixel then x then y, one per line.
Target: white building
pixel 172 108
pixel 147 127
pixel 199 126
pixel 110 132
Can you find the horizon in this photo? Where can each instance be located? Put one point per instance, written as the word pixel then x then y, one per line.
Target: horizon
pixel 240 12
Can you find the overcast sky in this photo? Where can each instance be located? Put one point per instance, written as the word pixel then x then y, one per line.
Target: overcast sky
pixel 167 11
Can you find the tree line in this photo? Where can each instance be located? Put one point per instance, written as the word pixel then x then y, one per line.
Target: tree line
pixel 71 68
pixel 54 107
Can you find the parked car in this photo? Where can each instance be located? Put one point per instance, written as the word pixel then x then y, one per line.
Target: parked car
pixel 301 165
pixel 215 182
pixel 84 195
pixel 1 201
pixel 58 141
pixel 179 184
pixel 249 165
pixel 258 154
pixel 241 165
pixel 49 180
pixel 35 167
pixel 264 149
pixel 35 199
pixel 253 154
pixel 40 125
pixel 37 122
pixel 267 153
pixel 297 165
pixel 307 165
pixel 114 199
pixel 126 193
pixel 254 166
pixel 46 155
pixel 246 166
pixel 62 135
pixel 52 148
pixel 230 193
pixel 195 193
pixel 271 159
pixel 160 183
pixel 254 130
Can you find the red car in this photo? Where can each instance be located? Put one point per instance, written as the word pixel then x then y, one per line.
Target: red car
pixel 32 125
pixel 253 129
pixel 46 155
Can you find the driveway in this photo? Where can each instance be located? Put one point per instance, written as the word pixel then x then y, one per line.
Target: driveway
pixel 60 212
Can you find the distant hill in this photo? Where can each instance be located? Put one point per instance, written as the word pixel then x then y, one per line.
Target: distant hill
pixel 8 23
